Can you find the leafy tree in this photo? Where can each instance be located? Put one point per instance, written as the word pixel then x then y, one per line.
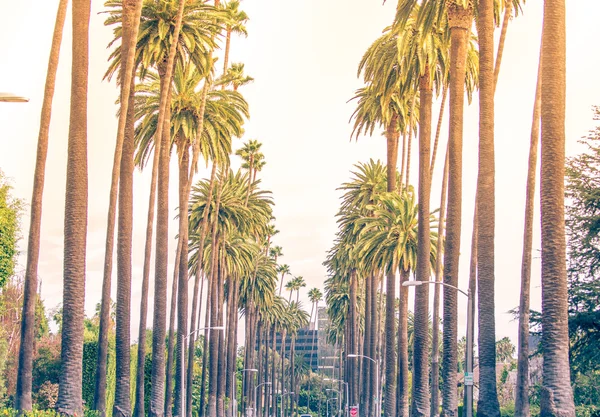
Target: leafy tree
pixel 583 229
pixel 10 212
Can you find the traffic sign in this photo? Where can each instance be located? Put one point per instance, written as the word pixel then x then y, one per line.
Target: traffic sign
pixel 468 378
pixel 353 411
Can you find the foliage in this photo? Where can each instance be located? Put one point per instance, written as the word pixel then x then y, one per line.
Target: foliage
pixel 10 212
pixel 583 236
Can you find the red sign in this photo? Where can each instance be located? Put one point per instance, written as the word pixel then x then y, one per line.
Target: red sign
pixel 354 410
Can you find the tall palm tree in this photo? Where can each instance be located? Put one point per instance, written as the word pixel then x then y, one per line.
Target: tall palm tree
pixel 557 394
pixel 235 76
pixel 435 368
pixel 130 24
pixel 488 398
pixel 522 389
pixel 235 24
pixel 24 373
pixel 275 252
pixel 70 389
pixel 283 270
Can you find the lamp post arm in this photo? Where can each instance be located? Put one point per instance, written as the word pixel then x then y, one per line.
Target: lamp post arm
pixel 445 285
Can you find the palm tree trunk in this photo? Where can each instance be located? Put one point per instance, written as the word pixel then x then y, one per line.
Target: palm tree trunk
pixel 292 374
pixel 352 342
pixel 390 320
pixel 23 400
pixel 182 294
pixel 438 130
pixel 435 344
pixel 131 19
pixel 69 394
pixel 402 407
pixel 202 407
pixel 507 16
pixel 460 21
pixel 141 359
pixel 232 319
pixel 157 402
pixel 171 338
pixel 283 343
pixel 522 388
pixel 366 392
pixel 473 290
pixel 196 302
pixel 379 351
pixel 221 335
pixel 214 309
pixel 420 386
pixel 487 405
pixel 122 405
pixel 557 394
pixel 213 341
pixel 226 55
pixel 408 152
pixel 402 163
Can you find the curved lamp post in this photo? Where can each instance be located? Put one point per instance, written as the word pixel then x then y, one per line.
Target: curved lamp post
pixel 282 396
pixel 11 98
pixel 468 376
pixel 331 399
pixel 347 392
pixel 235 389
pixel 256 396
pixel 376 362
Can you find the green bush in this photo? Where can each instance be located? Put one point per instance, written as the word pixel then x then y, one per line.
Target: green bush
pixel 587 411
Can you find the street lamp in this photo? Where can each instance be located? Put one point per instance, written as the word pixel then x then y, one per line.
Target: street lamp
pixel 376 362
pixel 469 365
pixel 335 398
pixel 185 338
pixel 235 389
pixel 283 395
pixel 347 394
pixel 256 395
pixel 11 98
pixel 339 395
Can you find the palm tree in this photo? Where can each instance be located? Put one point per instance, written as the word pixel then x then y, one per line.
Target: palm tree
pixel 314 295
pixel 69 395
pixel 235 24
pixel 124 158
pixel 24 373
pixel 557 394
pixel 235 76
pixel 522 390
pixel 488 398
pixel 299 283
pixel 275 252
pixel 283 270
pixel 435 368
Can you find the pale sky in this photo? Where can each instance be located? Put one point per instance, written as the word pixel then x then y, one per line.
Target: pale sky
pixel 303 56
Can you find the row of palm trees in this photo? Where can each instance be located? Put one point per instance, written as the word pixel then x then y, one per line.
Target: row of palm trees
pixel 385 226
pixel 170 100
